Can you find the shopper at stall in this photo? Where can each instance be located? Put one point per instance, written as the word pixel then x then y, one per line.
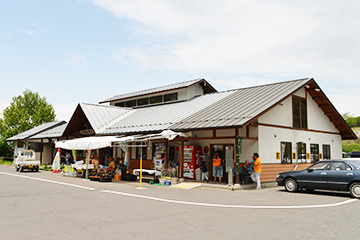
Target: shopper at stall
pixel 217 163
pixel 95 162
pixel 255 176
pixel 111 166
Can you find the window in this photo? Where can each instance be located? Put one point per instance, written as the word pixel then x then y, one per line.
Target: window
pixel 35 146
pixel 326 152
pixel 120 104
pixel 21 145
pixel 299 113
pixel 340 166
pixel 323 166
pixel 170 97
pixel 286 152
pixel 143 101
pixel 156 99
pixel 131 103
pixel 314 152
pixel 141 152
pixel 301 152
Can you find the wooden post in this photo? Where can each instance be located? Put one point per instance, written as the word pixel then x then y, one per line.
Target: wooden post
pixel 181 162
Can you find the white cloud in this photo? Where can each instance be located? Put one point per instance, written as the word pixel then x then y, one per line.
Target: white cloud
pixel 243 38
pixel 30 32
pixel 77 60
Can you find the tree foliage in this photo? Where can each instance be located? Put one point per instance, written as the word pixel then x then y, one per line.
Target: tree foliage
pixel 351 120
pixel 25 112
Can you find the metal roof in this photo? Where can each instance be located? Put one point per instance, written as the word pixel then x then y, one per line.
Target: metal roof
pixel 242 106
pixel 101 116
pixel 55 132
pixel 235 108
pixel 35 130
pixel 161 89
pixel 214 110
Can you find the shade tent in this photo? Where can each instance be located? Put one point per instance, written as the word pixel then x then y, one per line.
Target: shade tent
pixel 91 142
pixel 87 143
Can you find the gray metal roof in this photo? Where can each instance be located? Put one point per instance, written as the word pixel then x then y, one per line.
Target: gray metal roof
pixel 155 90
pixel 35 130
pixel 215 110
pixel 55 132
pixel 101 116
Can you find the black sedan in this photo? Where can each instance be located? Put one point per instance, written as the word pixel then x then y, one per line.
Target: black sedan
pixel 338 175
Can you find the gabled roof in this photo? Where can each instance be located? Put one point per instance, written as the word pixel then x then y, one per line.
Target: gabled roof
pixel 36 130
pixel 55 132
pixel 206 86
pixel 235 108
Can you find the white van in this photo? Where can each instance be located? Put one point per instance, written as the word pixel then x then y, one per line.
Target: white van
pixel 26 160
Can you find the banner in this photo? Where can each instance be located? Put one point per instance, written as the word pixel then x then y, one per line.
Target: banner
pixel 56 162
pixel 239 150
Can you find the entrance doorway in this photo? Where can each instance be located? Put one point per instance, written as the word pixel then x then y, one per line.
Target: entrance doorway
pixel 226 152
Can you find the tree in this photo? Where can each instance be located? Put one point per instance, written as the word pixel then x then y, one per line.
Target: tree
pixel 24 113
pixel 351 120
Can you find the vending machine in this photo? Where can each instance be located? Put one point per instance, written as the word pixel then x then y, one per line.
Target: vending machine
pixel 191 161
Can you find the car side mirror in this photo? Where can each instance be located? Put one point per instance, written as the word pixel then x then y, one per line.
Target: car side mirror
pixel 309 169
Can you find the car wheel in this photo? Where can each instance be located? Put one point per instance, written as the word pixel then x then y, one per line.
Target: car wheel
pixel 17 168
pixel 355 190
pixel 37 169
pixel 291 185
pixel 21 169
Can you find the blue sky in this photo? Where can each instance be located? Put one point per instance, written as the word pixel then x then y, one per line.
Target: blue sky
pixel 72 51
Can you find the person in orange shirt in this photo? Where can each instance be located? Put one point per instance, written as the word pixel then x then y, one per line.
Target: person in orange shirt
pixel 255 176
pixel 111 166
pixel 95 161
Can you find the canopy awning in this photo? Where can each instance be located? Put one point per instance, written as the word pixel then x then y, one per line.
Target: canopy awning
pixel 87 143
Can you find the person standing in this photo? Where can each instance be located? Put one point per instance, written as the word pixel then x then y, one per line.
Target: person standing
pixel 257 171
pixel 217 163
pixel 204 172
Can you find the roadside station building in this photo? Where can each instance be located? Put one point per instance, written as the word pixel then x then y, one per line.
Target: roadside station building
pixel 290 124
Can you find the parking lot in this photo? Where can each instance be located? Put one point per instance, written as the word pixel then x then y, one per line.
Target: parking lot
pixel 57 205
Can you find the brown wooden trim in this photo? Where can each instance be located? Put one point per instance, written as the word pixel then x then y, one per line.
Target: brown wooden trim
pixel 166 153
pixel 292 128
pixel 213 138
pixel 181 163
pixel 248 131
pixel 214 133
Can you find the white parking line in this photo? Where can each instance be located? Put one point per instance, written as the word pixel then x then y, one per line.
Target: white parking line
pixel 229 206
pixel 50 181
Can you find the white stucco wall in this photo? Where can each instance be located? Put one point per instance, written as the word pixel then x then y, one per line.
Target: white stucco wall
pixel 270 139
pixel 281 115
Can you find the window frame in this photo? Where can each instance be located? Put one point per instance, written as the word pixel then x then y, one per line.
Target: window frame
pixel 301 107
pixel 326 151
pixel 284 146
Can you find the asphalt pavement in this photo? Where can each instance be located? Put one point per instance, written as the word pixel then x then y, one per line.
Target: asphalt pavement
pixel 45 205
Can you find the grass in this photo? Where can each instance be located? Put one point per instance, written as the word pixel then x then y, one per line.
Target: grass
pixel 5 162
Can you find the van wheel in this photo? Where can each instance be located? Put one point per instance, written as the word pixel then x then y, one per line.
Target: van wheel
pixel 291 185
